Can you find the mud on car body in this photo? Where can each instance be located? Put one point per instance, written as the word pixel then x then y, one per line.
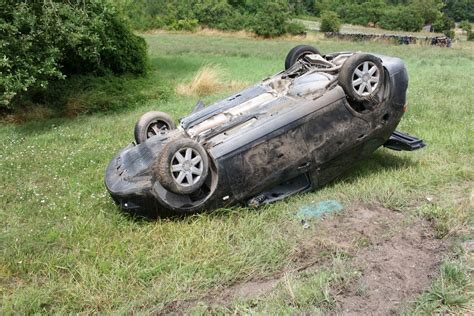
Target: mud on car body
pixel 290 133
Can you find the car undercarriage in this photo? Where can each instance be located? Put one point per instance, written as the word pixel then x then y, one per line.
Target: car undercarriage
pixel 290 133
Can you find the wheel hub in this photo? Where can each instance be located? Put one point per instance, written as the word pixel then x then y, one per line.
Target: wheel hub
pixel 365 78
pixel 186 167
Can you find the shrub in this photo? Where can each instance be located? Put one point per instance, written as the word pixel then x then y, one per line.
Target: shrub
pixel 330 22
pixel 470 36
pixel 449 33
pixel 210 13
pixel 185 25
pixel 271 18
pixel 45 41
pixel 465 25
pixel 295 28
pixel 443 23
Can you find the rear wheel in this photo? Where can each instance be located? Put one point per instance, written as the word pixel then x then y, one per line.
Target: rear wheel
pixel 297 53
pixel 151 124
pixel 361 76
pixel 182 166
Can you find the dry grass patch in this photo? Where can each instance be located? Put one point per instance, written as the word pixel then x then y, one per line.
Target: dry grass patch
pixel 215 32
pixel 207 81
pixel 206 32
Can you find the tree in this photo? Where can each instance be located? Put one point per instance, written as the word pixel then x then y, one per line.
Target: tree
pixel 429 10
pixel 460 9
pixel 401 18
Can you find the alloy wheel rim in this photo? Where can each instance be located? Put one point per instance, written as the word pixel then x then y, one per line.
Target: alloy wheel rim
pixel 365 78
pixel 156 128
pixel 186 167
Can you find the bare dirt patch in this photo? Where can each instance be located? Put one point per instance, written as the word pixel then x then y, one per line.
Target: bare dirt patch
pixel 397 256
pixel 394 271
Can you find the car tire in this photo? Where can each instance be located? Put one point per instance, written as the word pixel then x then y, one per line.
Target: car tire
pixel 297 53
pixel 152 123
pixel 182 166
pixel 361 77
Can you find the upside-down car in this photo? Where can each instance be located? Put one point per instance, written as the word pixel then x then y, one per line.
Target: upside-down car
pixel 290 133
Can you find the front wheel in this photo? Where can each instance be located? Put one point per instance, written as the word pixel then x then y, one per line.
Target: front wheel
pixel 361 76
pixel 182 166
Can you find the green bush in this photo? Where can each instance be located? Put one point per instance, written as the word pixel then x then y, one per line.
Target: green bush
pixel 465 25
pixel 271 18
pixel 295 28
pixel 330 22
pixel 443 23
pixel 470 36
pixel 449 33
pixel 48 40
pixel 401 18
pixel 210 13
pixel 184 25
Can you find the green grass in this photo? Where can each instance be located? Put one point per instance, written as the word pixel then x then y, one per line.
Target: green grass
pixel 451 292
pixel 66 248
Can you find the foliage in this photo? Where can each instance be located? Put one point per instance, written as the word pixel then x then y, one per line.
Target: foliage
pixel 429 10
pixel 330 22
pixel 449 33
pixel 295 28
pixel 28 58
pixel 465 26
pixel 271 18
pixel 401 18
pixel 444 23
pixel 394 14
pixel 184 25
pixel 460 9
pixel 45 41
pixel 266 18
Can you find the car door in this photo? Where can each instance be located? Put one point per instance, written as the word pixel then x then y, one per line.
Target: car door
pixel 280 156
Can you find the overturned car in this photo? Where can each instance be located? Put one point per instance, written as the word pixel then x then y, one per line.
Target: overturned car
pixel 290 133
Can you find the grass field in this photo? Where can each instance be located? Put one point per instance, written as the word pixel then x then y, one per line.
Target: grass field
pixel 66 248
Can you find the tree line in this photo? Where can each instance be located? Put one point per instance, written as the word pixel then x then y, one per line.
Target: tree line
pixel 271 17
pixel 42 41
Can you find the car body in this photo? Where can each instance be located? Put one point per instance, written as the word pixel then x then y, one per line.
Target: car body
pixel 290 133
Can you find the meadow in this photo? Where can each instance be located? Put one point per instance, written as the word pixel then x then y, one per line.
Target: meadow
pixel 66 248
